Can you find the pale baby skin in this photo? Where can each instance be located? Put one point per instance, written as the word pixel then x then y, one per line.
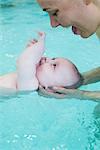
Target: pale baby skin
pixel 33 70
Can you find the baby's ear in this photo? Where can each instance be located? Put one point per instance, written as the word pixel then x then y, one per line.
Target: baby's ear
pixel 87 2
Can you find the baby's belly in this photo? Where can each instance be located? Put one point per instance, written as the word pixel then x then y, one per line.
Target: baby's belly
pixel 8 81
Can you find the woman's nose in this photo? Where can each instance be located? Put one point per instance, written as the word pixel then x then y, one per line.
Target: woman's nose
pixel 54 23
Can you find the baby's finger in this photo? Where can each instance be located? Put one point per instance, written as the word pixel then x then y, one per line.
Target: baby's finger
pixel 42 34
pixel 28 45
pixel 64 90
pixel 34 41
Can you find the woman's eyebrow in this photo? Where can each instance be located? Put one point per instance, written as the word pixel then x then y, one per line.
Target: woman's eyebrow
pixel 45 9
pixel 48 10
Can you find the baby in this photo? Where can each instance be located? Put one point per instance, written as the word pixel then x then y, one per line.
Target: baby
pixel 34 69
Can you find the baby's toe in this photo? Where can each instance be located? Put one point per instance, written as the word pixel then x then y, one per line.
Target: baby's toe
pixel 42 34
pixel 34 41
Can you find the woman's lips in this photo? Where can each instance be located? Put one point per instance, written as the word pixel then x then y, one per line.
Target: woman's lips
pixel 76 30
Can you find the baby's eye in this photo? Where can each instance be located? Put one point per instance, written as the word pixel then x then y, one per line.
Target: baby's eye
pixel 53 58
pixel 54 65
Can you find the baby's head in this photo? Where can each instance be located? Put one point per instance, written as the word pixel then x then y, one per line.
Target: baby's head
pixel 58 72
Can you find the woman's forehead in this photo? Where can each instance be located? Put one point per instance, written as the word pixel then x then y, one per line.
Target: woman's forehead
pixel 48 3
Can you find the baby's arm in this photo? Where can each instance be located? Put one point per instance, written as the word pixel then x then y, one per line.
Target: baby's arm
pixel 26 64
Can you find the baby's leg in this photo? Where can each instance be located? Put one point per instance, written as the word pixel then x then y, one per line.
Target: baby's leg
pixel 31 43
pixel 34 49
pixel 26 66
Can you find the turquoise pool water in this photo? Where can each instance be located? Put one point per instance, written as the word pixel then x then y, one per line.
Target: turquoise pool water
pixel 31 122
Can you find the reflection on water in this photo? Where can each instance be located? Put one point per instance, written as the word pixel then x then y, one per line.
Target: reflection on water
pixel 96 114
pixel 14 3
pixel 7 5
pixel 12 12
pixel 94 130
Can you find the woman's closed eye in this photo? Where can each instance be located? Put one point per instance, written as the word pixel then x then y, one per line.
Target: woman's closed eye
pixel 55 13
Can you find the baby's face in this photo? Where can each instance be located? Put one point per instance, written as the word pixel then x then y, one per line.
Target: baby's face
pixel 56 72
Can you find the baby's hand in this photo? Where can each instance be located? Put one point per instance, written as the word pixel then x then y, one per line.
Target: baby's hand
pixel 41 35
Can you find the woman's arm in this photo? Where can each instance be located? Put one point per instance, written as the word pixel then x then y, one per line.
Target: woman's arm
pixel 98 33
pixel 91 76
pixel 62 93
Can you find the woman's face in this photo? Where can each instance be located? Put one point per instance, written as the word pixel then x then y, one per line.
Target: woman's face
pixel 75 13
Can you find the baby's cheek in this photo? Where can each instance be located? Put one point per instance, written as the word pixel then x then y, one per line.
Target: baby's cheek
pixel 40 76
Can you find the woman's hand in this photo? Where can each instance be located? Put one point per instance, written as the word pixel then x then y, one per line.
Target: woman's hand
pixel 61 93
pixel 57 92
pixel 90 77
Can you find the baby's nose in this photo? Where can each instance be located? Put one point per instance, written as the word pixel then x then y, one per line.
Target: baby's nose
pixel 43 60
pixel 46 60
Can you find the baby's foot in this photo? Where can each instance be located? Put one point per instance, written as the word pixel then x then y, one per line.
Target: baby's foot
pixel 41 37
pixel 31 43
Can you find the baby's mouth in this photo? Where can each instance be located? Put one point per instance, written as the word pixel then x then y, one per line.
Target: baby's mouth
pixel 76 30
